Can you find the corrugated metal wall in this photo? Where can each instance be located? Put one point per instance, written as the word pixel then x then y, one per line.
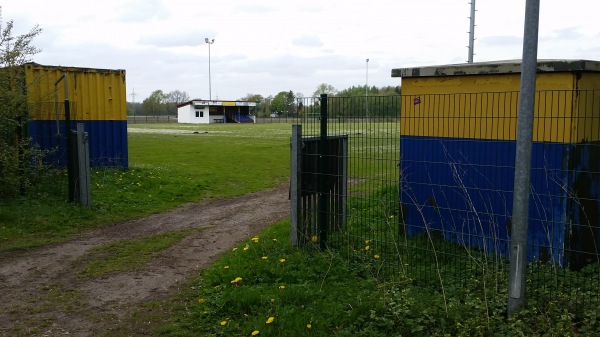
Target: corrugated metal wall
pixel 458 151
pixel 97 99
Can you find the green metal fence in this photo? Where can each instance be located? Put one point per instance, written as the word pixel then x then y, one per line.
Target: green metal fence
pixel 428 194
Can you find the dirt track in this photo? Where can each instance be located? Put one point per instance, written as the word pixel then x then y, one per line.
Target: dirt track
pixel 41 295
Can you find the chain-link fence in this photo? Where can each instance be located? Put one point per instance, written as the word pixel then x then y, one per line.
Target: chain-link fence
pixel 422 186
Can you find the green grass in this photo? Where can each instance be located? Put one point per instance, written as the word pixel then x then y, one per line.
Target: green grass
pixel 302 288
pixel 127 255
pixel 167 168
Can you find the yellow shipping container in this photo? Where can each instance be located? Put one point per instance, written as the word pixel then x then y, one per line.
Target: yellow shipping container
pixel 94 94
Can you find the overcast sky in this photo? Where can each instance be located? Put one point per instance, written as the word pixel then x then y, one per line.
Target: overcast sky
pixel 266 46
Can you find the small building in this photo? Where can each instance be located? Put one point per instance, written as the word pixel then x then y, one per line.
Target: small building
pixel 97 98
pixel 458 141
pixel 208 111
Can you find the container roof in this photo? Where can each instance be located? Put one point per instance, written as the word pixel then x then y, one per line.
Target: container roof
pixel 496 67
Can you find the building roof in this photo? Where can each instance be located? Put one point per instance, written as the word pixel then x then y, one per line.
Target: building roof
pixel 496 67
pixel 205 102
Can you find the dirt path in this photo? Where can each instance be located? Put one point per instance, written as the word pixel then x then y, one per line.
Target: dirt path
pixel 41 295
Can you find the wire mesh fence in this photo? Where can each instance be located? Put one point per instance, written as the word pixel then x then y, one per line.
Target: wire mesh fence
pixel 422 186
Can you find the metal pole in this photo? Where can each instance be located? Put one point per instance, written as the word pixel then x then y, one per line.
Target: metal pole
pixel 209 76
pixel 323 171
pixel 70 154
pixel 295 187
pixel 518 243
pixel 367 91
pixel 472 32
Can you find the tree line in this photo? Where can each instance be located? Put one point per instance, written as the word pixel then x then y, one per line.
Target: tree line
pixel 283 104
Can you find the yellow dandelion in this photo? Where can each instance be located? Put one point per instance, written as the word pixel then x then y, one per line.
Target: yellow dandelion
pixel 201 301
pixel 255 332
pixel 272 300
pixel 236 280
pixel 367 242
pixel 255 239
pixel 246 247
pixel 282 287
pixel 270 320
pixel 265 257
pixel 309 326
pixel 223 323
pixel 234 249
pixel 314 238
pixel 226 267
pixel 367 247
pixel 376 256
pixel 282 260
pixel 392 216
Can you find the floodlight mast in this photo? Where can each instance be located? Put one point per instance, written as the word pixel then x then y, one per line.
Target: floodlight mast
pixel 471 33
pixel 209 42
pixel 367 91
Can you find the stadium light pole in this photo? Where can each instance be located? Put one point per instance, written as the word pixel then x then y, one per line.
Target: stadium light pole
pixel 209 42
pixel 367 90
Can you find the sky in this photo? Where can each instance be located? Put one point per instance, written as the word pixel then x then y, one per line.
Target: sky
pixel 265 46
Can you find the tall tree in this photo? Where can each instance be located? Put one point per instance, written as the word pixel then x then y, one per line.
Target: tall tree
pixel 325 88
pixel 155 103
pixel 175 98
pixel 15 173
pixel 261 108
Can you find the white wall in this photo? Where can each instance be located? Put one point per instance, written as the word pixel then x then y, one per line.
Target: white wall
pixel 187 114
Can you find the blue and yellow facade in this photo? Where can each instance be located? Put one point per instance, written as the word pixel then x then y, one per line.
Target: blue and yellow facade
pixel 97 98
pixel 458 140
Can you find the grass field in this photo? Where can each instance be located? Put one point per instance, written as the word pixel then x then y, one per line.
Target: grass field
pixel 169 165
pixel 264 287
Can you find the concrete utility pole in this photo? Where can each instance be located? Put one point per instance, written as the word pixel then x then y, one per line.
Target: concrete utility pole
pixel 520 215
pixel 471 32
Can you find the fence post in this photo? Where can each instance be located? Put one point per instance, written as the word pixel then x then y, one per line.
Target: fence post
pixel 83 160
pixel 518 240
pixel 322 171
pixel 295 181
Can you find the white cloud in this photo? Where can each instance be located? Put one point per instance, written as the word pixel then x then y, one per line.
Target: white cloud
pixel 265 47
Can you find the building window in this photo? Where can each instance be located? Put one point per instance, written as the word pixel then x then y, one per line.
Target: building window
pixel 201 113
pixel 197 113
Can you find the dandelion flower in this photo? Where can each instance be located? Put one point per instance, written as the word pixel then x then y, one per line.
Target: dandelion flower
pixel 282 287
pixel 367 247
pixel 392 216
pixel 265 257
pixel 376 256
pixel 236 280
pixel 201 301
pixel 226 267
pixel 234 249
pixel 309 326
pixel 255 332
pixel 255 239
pixel 282 260
pixel 270 320
pixel 314 238
pixel 246 247
pixel 367 242
pixel 223 323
